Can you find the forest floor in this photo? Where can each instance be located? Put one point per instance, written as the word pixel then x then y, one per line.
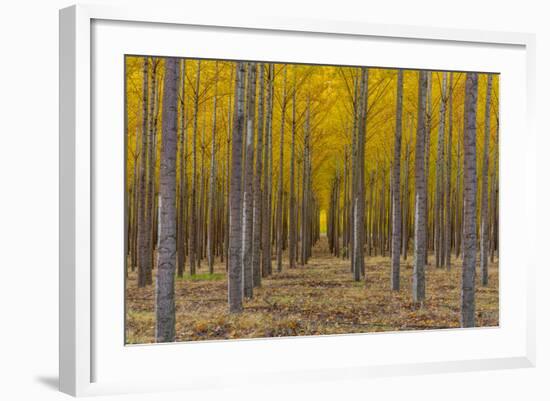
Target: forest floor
pixel 316 299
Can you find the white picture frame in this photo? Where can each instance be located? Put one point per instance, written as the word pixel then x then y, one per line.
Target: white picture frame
pixel 82 345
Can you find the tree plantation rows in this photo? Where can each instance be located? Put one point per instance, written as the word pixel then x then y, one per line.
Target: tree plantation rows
pixel 247 169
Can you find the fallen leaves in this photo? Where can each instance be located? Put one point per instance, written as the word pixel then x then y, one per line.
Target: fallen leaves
pixel 320 298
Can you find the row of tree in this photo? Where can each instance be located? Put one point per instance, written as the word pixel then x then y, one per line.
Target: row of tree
pixel 244 162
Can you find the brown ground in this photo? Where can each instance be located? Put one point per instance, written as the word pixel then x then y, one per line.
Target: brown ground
pixel 320 298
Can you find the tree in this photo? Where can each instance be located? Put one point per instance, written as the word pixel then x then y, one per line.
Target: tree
pixel 279 221
pixel 448 214
pixel 427 153
pixel 144 260
pixel 151 214
pixel 193 240
pixel 359 196
pixel 235 290
pixel 165 309
pixel 406 197
pixel 420 219
pixel 485 187
pixel 248 197
pixel 212 195
pixel 258 196
pixel 470 199
pixel 292 202
pixel 396 206
pixel 182 210
pixel 439 195
pixel 268 164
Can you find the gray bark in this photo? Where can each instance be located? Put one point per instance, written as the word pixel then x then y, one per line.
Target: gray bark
pixel 144 261
pixel 396 206
pixel 359 196
pixel 420 220
pixel 182 218
pixel 448 214
pixel 470 199
pixel 212 194
pixel 193 240
pixel 165 304
pixel 438 206
pixel 235 282
pixel 268 163
pixel 279 221
pixel 292 202
pixel 485 187
pixel 248 196
pixel 427 154
pixel 151 172
pixel 258 196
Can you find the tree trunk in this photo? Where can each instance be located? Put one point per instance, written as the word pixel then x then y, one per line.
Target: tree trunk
pixel 359 196
pixel 182 217
pixel 420 221
pixel 235 282
pixel 268 165
pixel 406 197
pixel 427 154
pixel 212 195
pixel 165 304
pixel 227 181
pixel 193 240
pixel 258 196
pixel 438 206
pixel 292 201
pixel 448 214
pixel 485 186
pixel 279 220
pixel 151 167
pixel 248 199
pixel 396 206
pixel 470 199
pixel 144 260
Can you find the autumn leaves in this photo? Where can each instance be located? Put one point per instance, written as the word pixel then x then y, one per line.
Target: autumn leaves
pixel 236 162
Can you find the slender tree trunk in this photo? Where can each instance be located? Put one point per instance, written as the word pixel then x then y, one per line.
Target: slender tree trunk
pixel 193 240
pixel 258 196
pixel 227 181
pixel 212 195
pixel 459 202
pixel 279 220
pixel 201 220
pixel 182 220
pixel 448 214
pixel 427 153
pixel 359 196
pixel 268 165
pixel 144 261
pixel 248 199
pixel 292 206
pixel 470 200
pixel 165 304
pixel 132 239
pixel 396 207
pixel 151 167
pixel 235 283
pixel 420 225
pixel 485 187
pixel 494 201
pixel 438 207
pixel 406 197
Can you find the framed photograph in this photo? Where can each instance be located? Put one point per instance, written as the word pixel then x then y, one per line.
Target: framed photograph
pixel 300 199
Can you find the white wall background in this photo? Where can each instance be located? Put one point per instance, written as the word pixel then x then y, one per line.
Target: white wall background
pixel 29 196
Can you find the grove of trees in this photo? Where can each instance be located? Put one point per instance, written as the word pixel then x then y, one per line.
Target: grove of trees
pixel 243 167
